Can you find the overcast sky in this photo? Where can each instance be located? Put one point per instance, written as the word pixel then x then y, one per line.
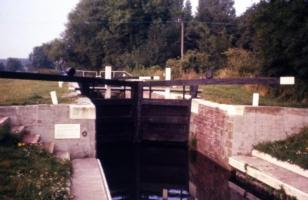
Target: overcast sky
pixel 25 24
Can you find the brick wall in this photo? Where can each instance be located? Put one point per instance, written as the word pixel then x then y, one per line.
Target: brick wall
pixel 225 130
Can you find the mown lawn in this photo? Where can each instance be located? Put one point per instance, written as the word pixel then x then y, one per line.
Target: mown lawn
pixel 24 92
pixel 241 95
pixel 294 149
pixel 28 172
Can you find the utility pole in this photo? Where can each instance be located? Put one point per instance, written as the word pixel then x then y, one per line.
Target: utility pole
pixel 182 38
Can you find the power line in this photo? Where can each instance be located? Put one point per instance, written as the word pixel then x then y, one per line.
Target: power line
pixel 131 22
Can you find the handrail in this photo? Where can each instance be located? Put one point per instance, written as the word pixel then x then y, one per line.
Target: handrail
pixel 195 82
pixel 227 81
pixel 52 77
pixel 99 73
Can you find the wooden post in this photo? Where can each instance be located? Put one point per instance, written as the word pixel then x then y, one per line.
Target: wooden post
pixel 255 99
pixel 108 71
pixel 150 92
pixel 137 99
pixel 54 98
pixel 165 194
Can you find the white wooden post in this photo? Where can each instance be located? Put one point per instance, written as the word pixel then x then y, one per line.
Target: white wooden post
pixel 108 71
pixel 255 99
pixel 167 78
pixel 60 83
pixel 54 98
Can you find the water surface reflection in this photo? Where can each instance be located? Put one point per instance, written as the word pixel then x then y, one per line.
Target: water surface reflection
pixel 148 171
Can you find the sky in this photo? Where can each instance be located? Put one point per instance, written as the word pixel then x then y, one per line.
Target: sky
pixel 25 24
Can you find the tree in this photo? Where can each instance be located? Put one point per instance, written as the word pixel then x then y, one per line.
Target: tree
pixel 2 67
pixel 214 29
pixel 282 34
pixel 119 31
pixel 216 11
pixel 39 57
pixel 246 33
pixel 14 64
pixel 187 11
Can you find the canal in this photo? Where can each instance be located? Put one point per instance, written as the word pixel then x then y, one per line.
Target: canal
pixel 151 171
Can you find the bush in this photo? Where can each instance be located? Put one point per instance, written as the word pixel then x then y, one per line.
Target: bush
pixel 4 131
pixel 193 63
pixel 240 63
pixel 146 71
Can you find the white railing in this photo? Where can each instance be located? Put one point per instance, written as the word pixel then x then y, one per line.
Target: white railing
pixel 100 74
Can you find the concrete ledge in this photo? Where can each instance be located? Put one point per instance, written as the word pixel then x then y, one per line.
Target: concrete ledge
pixel 294 168
pixel 104 180
pixel 89 181
pixel 272 175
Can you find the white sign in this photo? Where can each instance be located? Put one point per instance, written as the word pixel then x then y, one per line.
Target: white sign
pixel 287 80
pixel 67 131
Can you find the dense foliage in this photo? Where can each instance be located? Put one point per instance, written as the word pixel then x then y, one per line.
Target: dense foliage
pixel 14 64
pixel 145 33
pixel 2 67
pixel 282 34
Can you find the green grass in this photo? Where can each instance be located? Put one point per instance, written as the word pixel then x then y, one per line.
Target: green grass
pixel 240 95
pixel 24 92
pixel 294 149
pixel 28 172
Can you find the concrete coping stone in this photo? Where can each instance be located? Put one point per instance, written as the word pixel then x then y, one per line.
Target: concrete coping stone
pixel 272 175
pixel 233 110
pixel 104 180
pixel 83 109
pixel 292 167
pixel 229 109
pixel 88 182
pixel 4 121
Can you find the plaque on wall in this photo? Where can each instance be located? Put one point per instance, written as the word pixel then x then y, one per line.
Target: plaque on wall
pixel 67 131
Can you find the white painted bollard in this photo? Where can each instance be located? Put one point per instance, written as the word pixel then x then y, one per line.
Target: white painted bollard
pixel 54 98
pixel 255 99
pixel 108 72
pixel 167 78
pixel 60 83
pixel 165 194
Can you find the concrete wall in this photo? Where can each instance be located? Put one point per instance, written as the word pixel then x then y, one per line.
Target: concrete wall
pixel 41 119
pixel 225 130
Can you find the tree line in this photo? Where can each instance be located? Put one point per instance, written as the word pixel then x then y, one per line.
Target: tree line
pixel 12 64
pixel 269 39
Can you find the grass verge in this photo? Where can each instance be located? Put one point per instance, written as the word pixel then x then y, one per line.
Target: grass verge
pixel 241 95
pixel 24 92
pixel 28 172
pixel 294 149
